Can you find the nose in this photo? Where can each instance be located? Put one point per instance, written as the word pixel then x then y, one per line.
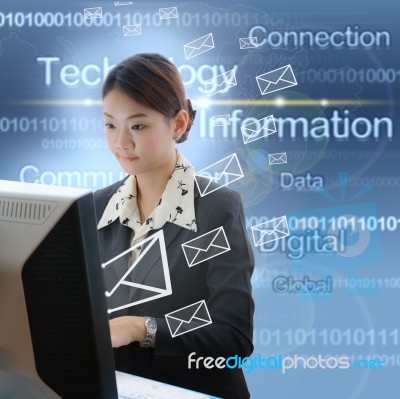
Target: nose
pixel 124 139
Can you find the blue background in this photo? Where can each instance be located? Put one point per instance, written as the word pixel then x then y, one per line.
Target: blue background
pixel 360 176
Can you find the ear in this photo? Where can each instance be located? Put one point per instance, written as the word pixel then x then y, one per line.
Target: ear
pixel 181 120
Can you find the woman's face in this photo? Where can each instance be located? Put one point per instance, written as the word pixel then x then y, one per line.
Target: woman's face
pixel 141 139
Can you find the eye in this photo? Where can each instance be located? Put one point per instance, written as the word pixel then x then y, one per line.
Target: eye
pixel 137 127
pixel 109 126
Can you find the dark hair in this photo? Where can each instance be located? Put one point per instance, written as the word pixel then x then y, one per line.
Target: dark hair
pixel 154 81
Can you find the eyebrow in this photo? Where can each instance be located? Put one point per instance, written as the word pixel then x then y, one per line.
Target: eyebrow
pixel 129 117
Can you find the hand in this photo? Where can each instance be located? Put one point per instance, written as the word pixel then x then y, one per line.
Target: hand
pixel 127 329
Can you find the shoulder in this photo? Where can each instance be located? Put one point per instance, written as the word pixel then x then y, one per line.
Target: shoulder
pixel 220 197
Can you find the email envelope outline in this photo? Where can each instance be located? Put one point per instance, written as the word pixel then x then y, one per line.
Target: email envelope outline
pixel 181 316
pixel 132 30
pixel 250 129
pixel 221 120
pixel 223 164
pixel 248 42
pixel 199 46
pixel 277 79
pixel 269 231
pixel 93 12
pixel 209 238
pixel 278 158
pixel 159 292
pixel 167 13
pixel 221 82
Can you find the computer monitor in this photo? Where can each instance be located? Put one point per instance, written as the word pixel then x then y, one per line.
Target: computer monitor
pixel 54 333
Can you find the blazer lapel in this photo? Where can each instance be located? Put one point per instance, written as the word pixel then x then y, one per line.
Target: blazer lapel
pixel 170 232
pixel 115 241
pixel 148 270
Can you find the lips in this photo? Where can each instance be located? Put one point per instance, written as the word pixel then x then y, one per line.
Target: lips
pixel 129 158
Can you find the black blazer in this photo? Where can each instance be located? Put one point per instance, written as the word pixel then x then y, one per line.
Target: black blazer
pixel 223 282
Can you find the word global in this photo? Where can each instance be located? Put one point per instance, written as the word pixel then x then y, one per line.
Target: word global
pixel 288 285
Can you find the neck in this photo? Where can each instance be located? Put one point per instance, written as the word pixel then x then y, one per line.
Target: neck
pixel 150 187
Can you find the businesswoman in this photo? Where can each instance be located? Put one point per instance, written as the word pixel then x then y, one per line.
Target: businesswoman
pixel 146 114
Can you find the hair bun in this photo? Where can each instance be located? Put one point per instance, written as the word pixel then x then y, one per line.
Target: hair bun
pixel 192 112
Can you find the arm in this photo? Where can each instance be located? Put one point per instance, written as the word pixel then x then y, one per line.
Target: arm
pixel 229 297
pixel 127 329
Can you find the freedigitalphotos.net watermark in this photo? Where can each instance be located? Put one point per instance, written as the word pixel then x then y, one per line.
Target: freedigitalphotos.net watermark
pixel 249 364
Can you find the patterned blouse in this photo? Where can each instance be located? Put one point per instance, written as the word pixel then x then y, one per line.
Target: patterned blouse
pixel 176 204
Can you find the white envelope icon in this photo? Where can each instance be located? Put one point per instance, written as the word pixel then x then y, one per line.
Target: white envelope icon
pixel 277 158
pixel 220 83
pixel 258 129
pixel 94 12
pixel 206 246
pixel 269 231
pixel 221 120
pixel 156 292
pixel 188 319
pixel 132 30
pixel 227 169
pixel 121 3
pixel 167 13
pixel 199 46
pixel 276 80
pixel 248 42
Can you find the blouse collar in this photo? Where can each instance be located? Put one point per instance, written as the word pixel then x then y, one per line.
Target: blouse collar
pixel 176 204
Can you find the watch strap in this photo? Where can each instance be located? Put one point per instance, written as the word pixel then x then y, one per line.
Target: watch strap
pixel 149 334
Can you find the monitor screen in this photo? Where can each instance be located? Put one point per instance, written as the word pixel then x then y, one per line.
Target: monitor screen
pixel 54 332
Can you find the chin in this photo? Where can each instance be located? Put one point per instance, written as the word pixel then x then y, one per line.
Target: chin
pixel 133 171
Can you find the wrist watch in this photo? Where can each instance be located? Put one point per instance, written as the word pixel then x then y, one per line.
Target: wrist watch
pixel 151 329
